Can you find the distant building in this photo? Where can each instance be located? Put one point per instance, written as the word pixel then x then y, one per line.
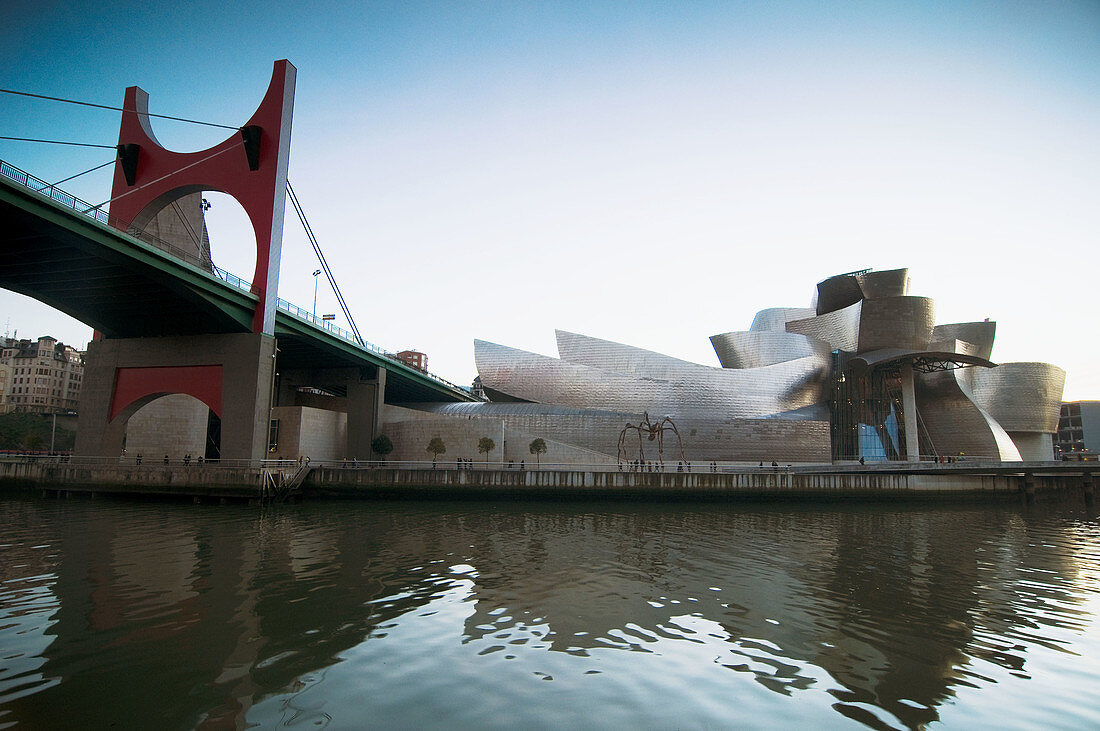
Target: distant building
pixel 477 389
pixel 414 358
pixel 1078 429
pixel 44 375
pixel 5 384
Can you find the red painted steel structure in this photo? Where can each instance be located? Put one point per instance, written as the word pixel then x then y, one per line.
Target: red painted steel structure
pixel 202 382
pixel 250 166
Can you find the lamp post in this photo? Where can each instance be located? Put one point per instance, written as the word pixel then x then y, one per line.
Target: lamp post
pixel 315 273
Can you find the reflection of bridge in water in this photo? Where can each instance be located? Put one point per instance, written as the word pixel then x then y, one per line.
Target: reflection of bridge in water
pixel 168 323
pixel 882 610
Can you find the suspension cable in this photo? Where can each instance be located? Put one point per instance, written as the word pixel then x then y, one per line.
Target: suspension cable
pixel 57 142
pixel 168 175
pixel 324 264
pixel 114 109
pixel 89 170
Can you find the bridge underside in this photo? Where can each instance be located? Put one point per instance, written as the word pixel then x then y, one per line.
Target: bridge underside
pixel 158 314
pixel 117 286
pixel 126 288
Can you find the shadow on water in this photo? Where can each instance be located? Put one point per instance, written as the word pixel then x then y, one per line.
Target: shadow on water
pixel 396 614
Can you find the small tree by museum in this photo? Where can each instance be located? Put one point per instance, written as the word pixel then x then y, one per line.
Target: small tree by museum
pixel 436 447
pixel 381 445
pixel 537 447
pixel 486 445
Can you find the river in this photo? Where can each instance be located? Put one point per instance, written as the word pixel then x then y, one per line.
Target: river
pixel 484 615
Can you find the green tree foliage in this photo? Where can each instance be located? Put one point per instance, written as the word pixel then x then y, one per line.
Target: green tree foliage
pixel 537 447
pixel 381 445
pixel 486 445
pixel 437 447
pixel 32 432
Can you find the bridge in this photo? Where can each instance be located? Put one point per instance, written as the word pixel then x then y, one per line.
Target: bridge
pixel 166 323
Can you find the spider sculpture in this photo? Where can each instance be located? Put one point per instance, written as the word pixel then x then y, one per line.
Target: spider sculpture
pixel 652 432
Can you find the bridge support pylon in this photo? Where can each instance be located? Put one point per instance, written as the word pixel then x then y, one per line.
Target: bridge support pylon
pixel 364 390
pixel 231 373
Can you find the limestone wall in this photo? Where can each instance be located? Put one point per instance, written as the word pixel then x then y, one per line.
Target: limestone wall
pixel 173 425
pixel 307 432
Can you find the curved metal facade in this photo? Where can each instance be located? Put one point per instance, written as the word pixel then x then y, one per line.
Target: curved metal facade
pixel 896 322
pixel 1022 397
pixel 840 328
pixel 844 290
pixel 759 349
pixel 870 367
pixel 890 283
pixel 669 390
pixel 955 425
pixel 775 319
pixel 978 334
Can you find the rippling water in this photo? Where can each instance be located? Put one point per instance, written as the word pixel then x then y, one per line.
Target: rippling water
pixel 549 615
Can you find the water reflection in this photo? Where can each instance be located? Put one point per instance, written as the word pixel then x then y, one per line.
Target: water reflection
pixel 398 614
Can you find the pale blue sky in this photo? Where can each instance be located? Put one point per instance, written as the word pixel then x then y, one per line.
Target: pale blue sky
pixel 651 173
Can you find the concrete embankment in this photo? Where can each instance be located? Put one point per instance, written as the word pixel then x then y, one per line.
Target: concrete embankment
pixel 201 481
pixel 824 482
pixel 802 483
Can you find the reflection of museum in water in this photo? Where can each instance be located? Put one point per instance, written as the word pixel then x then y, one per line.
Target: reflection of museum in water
pixel 171 611
pixel 863 372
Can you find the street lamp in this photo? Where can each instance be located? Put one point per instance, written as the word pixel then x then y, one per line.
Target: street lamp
pixel 315 273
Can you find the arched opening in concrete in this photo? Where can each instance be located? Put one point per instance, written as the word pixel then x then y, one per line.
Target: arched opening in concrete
pixel 171 426
pixel 232 234
pixel 206 228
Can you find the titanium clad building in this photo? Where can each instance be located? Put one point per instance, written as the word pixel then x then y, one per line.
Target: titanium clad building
pixel 863 373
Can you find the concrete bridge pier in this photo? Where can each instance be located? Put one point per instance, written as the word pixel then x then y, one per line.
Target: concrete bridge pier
pixel 358 392
pixel 231 373
pixel 366 397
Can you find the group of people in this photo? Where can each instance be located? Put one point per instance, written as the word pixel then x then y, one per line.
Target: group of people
pixel 642 465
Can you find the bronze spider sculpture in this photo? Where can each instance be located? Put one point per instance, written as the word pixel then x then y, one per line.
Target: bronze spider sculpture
pixel 652 432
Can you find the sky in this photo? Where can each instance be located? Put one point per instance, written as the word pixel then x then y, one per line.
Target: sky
pixel 651 173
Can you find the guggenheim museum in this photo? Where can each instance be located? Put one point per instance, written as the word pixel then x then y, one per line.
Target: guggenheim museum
pixel 863 372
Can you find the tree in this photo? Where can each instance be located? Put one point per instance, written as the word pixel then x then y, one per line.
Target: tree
pixel 486 445
pixel 436 447
pixel 382 445
pixel 537 447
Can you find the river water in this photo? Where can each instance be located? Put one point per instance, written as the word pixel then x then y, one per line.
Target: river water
pixel 547 615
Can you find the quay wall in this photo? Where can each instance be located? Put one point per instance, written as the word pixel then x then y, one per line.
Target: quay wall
pixel 336 481
pixel 175 480
pixel 519 484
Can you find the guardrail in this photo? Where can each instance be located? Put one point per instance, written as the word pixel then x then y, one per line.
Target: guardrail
pixel 522 465
pixel 57 195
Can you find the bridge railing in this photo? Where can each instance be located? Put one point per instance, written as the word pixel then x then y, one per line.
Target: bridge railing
pixel 330 326
pixel 54 193
pixel 95 212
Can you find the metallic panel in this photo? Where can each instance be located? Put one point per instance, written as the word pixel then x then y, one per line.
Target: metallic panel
pixel 1034 446
pixel 844 290
pixel 891 283
pixel 836 293
pixel 955 424
pixel 979 334
pixel 775 319
pixel 1022 397
pixel 759 349
pixel 703 439
pixel 687 388
pixel 896 322
pixel 620 358
pixel 840 329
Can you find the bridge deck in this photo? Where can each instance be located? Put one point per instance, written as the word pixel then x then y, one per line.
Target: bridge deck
pixel 72 260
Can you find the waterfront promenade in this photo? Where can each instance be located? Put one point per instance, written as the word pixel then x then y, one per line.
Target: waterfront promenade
pixel 282 480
